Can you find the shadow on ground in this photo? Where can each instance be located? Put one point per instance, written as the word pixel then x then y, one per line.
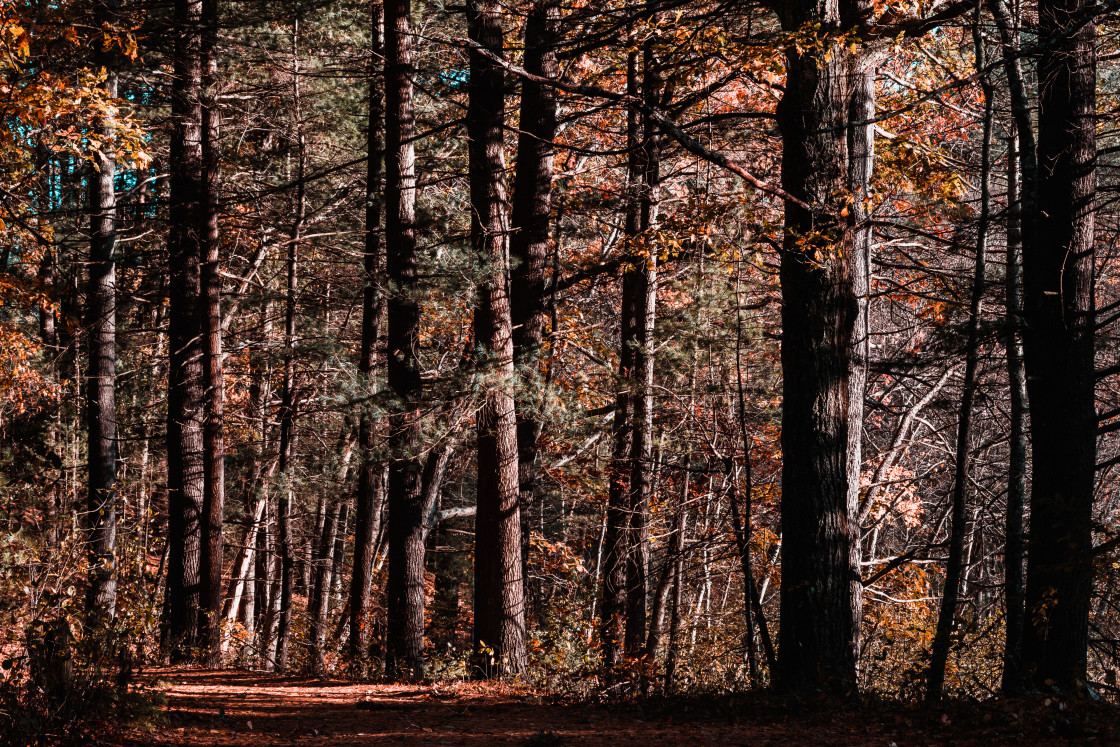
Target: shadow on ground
pixel 250 709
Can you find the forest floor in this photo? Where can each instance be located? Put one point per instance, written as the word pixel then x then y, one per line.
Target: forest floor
pixel 249 708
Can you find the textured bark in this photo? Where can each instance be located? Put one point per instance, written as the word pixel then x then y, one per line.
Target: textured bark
pixel 101 320
pixel 288 403
pixel 817 631
pixel 371 494
pixel 530 213
pixel 1021 229
pixel 499 635
pixel 644 257
pixel 861 163
pixel 272 583
pixel 1058 297
pixel 616 538
pixel 744 528
pixel 186 389
pixel 954 568
pixel 405 587
pixel 210 612
pixel 1014 547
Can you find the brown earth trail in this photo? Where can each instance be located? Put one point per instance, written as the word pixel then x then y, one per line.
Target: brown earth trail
pixel 251 709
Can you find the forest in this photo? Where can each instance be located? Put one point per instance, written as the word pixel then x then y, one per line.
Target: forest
pixel 659 351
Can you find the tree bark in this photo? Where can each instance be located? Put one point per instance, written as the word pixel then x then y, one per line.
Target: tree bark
pixel 1014 547
pixel 616 539
pixel 101 320
pixel 1058 298
pixel 530 214
pixel 499 635
pixel 644 257
pixel 405 587
pixel 186 389
pixel 817 631
pixel 210 613
pixel 861 163
pixel 371 495
pixel 288 403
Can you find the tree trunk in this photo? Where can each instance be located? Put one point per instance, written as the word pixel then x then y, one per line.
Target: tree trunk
pixel 287 393
pixel 405 587
pixel 1058 296
pixel 1014 548
pixel 273 584
pixel 531 210
pixel 186 389
pixel 817 630
pixel 370 485
pixel 101 320
pixel 644 257
pixel 499 636
pixel 954 568
pixel 242 572
pixel 616 540
pixel 210 613
pixel 744 528
pixel 1020 233
pixel 861 163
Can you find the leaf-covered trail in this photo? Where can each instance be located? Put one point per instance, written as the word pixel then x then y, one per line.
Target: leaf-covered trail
pixel 251 709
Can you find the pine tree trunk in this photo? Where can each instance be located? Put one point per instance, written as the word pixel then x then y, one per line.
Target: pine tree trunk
pixel 616 539
pixel 288 409
pixel 210 613
pixel 1058 296
pixel 101 320
pixel 186 388
pixel 405 586
pixel 861 163
pixel 499 636
pixel 371 494
pixel 1014 548
pixel 530 217
pixel 641 450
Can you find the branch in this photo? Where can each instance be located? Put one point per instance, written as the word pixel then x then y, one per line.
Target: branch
pixel 668 126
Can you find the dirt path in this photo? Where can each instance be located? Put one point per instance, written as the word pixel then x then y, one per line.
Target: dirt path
pixel 251 709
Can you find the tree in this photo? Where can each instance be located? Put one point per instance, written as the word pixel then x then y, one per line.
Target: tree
pixel 644 256
pixel 499 635
pixel 617 532
pixel 371 493
pixel 186 474
pixel 530 222
pixel 101 319
pixel 1058 337
pixel 817 626
pixel 210 281
pixel 405 586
